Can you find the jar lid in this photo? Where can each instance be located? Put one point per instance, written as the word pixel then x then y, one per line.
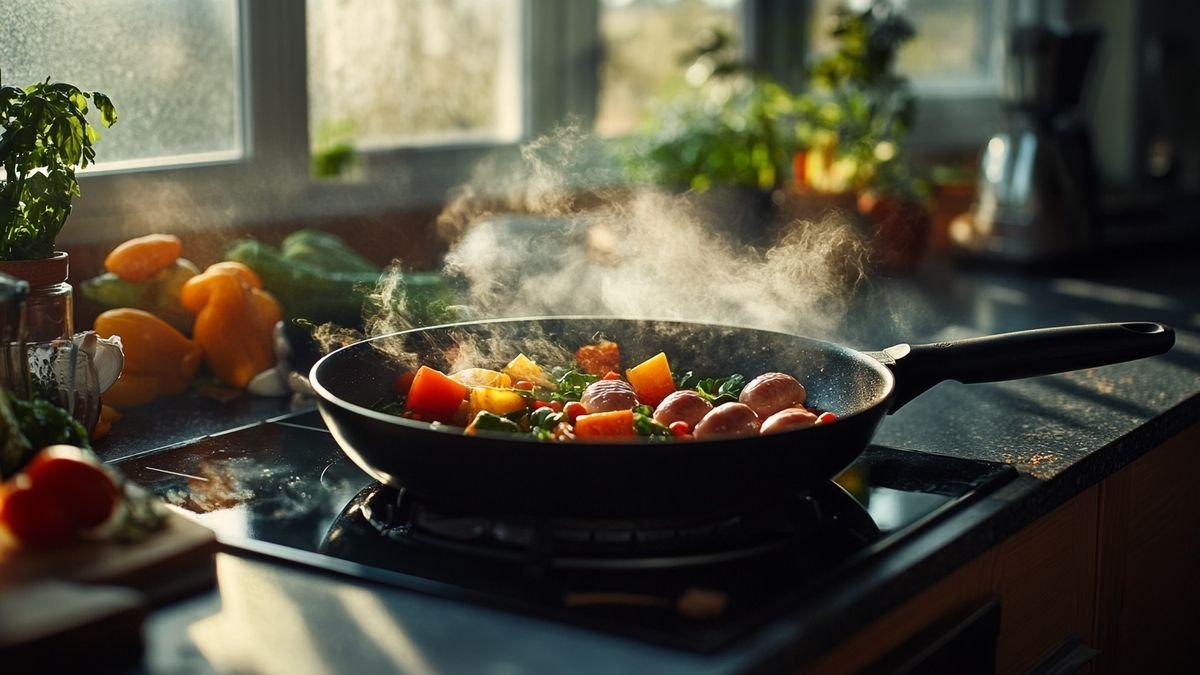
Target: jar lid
pixel 40 272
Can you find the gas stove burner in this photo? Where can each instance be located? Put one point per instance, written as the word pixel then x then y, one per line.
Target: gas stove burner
pixel 612 544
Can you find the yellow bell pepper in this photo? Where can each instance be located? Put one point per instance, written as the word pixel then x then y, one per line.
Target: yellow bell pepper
pixel 159 360
pixel 235 321
pixel 496 401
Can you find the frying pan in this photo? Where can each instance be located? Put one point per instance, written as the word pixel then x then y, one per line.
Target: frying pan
pixel 505 473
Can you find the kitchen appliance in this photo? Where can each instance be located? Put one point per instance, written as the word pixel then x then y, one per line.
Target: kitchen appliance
pixel 285 489
pixel 355 383
pixel 1037 190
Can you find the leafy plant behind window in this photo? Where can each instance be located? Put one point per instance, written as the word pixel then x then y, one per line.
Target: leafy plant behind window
pixel 740 127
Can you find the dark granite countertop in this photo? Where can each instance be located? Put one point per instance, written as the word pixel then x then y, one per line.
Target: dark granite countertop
pixel 1063 433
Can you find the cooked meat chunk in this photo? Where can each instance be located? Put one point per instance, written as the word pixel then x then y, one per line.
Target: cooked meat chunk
pixel 727 419
pixel 769 393
pixel 684 405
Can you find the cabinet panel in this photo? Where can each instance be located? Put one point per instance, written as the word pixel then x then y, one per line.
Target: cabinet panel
pixel 1149 553
pixel 1045 577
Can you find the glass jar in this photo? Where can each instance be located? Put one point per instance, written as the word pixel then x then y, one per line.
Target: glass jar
pixel 14 361
pixel 49 307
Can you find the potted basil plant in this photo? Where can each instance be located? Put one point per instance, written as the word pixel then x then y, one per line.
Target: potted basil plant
pixel 46 136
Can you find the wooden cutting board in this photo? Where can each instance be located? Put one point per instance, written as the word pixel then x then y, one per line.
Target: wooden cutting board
pixel 85 603
pixel 171 562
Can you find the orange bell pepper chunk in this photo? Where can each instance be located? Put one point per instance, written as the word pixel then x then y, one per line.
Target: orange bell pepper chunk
pixel 651 379
pixel 611 424
pixel 433 396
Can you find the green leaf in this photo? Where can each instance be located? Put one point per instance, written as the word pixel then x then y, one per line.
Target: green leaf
pixel 108 112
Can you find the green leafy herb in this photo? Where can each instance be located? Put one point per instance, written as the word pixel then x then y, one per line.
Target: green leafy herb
pixel 46 136
pixel 28 426
pixel 723 390
pixel 486 421
pixel 543 422
pixel 571 385
pixel 644 424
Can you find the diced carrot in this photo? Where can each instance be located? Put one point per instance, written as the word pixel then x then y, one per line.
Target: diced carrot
pixel 611 424
pixel 434 396
pixel 651 379
pixel 600 358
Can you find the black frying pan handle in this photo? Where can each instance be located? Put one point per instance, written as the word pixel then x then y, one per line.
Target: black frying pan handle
pixel 1011 356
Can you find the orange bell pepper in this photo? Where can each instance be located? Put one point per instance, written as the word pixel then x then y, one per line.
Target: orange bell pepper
pixel 235 321
pixel 651 379
pixel 159 360
pixel 610 424
pixel 140 258
pixel 433 396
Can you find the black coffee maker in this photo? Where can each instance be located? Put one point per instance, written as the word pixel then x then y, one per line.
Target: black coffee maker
pixel 1037 196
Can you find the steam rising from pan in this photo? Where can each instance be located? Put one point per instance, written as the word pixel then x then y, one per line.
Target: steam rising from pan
pixel 537 237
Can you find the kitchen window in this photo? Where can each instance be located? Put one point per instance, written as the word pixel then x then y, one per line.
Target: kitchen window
pixel 177 82
pixel 225 104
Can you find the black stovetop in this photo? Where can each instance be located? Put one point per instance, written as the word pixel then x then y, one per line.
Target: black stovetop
pixel 284 489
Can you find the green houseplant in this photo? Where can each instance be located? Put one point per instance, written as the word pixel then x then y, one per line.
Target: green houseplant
pixel 732 128
pixel 45 136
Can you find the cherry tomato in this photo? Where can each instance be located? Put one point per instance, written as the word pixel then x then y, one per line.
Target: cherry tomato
pixel 680 429
pixel 34 517
pixel 825 418
pixel 525 385
pixel 73 479
pixel 556 406
pixel 573 410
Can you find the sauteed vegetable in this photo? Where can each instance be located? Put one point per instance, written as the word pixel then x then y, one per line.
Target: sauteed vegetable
pixel 593 399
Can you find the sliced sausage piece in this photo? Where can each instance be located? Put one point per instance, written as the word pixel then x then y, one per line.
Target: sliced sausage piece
pixel 727 419
pixel 684 405
pixel 769 393
pixel 608 395
pixel 787 420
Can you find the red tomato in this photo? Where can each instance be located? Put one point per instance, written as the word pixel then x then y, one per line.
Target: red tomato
pixel 74 480
pixel 524 385
pixel 573 410
pixel 680 429
pixel 826 418
pixel 36 518
pixel 556 406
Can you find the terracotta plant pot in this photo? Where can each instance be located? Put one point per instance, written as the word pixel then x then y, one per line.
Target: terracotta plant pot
pixel 49 313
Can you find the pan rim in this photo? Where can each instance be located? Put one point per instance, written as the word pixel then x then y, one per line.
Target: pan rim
pixel 325 396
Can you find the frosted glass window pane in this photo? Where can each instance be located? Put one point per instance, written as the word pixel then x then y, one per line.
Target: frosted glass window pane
pixel 397 72
pixel 643 42
pixel 170 67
